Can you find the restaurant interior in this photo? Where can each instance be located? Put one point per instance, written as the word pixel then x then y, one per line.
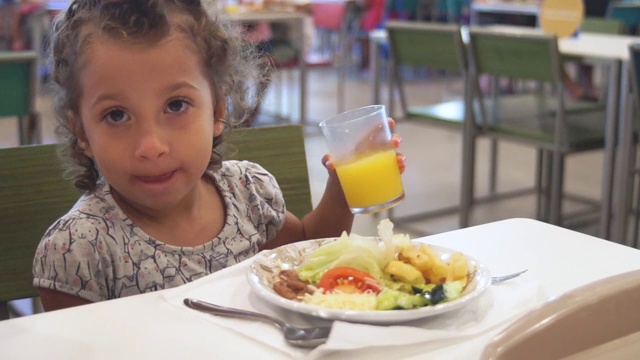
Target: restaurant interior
pixel 340 74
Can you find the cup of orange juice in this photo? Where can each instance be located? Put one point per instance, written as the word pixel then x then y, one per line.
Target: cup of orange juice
pixel 359 142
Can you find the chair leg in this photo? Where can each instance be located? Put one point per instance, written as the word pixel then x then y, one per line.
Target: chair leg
pixel 493 169
pixel 636 211
pixel 539 184
pixel 557 180
pixel 29 128
pixel 630 187
pixel 4 310
pixel 544 194
pixel 468 174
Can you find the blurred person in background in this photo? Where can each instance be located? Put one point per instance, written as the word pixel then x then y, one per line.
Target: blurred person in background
pixel 583 87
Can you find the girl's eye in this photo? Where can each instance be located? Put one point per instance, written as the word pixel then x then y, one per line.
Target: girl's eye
pixel 116 116
pixel 177 106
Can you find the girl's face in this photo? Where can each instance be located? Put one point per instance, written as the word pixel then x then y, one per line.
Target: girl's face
pixel 147 114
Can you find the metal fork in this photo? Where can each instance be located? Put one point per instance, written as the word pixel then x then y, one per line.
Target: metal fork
pixel 499 279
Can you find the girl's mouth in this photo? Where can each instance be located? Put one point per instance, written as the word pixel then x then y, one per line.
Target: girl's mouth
pixel 156 179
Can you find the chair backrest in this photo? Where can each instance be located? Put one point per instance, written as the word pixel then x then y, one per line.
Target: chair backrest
pixel 628 13
pixel 524 56
pixel 585 318
pixel 634 73
pixel 328 15
pixel 33 195
pixel 430 45
pixel 18 71
pixel 438 46
pixel 280 150
pixel 602 25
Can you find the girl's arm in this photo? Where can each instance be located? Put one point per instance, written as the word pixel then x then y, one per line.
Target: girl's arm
pixel 329 219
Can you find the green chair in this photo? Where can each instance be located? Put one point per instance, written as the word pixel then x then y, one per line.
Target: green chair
pixel 438 47
pixel 18 89
pixel 627 12
pixel 633 202
pixel 280 150
pixel 546 121
pixel 602 25
pixel 34 194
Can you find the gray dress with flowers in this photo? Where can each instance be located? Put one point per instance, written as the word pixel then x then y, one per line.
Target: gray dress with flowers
pixel 97 253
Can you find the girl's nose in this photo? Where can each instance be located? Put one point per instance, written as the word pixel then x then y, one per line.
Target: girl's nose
pixel 152 143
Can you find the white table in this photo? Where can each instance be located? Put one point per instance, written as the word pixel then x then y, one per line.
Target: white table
pixel 147 327
pixel 613 49
pixel 297 20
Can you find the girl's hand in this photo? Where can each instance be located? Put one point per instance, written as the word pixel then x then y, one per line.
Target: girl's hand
pixel 395 140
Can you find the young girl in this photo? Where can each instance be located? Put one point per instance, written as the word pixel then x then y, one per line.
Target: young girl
pixel 147 90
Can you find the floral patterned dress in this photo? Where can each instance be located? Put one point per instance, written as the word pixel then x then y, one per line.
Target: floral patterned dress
pixel 97 253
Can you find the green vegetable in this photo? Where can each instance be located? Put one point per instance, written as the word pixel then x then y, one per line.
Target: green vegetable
pixel 443 292
pixel 361 253
pixel 437 294
pixel 421 289
pixel 390 299
pixel 453 290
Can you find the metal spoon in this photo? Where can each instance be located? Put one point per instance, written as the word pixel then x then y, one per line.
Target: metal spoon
pixel 301 337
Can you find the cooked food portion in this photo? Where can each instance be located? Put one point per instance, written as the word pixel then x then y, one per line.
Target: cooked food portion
pixel 290 286
pixel 385 273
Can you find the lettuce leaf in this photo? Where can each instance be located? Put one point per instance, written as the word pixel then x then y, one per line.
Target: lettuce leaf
pixel 362 253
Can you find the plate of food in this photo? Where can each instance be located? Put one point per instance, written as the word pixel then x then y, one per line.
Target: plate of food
pixel 378 280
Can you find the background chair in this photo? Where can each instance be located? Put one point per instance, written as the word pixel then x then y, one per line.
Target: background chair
pixel 544 119
pixel 18 89
pixel 627 12
pixel 634 175
pixel 602 25
pixel 578 325
pixel 34 195
pixel 440 48
pixel 329 20
pixel 280 150
pixel 333 41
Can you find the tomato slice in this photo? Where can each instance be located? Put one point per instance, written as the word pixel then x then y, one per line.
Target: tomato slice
pixel 349 281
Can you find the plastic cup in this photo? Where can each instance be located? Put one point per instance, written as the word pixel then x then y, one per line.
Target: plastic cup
pixel 359 142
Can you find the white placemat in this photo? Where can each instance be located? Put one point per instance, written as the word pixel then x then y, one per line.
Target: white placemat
pixel 494 309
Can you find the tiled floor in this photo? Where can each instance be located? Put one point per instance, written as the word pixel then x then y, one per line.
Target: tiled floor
pixel 433 154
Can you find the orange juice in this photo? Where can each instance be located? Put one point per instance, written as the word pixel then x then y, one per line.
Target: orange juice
pixel 371 181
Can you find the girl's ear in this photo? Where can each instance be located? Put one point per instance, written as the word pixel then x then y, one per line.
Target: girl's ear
pixel 75 126
pixel 218 126
pixel 219 114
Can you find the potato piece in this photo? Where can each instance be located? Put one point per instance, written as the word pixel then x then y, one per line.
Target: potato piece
pixel 415 257
pixel 458 267
pixel 438 271
pixel 427 250
pixel 404 272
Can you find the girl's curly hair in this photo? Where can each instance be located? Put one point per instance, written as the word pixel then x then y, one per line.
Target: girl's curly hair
pixel 233 65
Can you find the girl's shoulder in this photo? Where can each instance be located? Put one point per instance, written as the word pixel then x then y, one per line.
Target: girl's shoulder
pixel 239 167
pixel 234 173
pixel 93 211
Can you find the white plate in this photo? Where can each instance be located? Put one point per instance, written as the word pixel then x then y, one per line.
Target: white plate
pixel 264 272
